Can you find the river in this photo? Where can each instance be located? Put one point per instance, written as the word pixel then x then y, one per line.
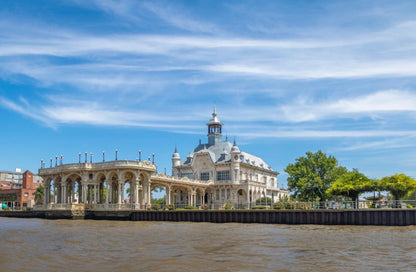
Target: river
pixel 88 245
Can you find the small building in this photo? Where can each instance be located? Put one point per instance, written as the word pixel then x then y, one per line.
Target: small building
pixel 19 193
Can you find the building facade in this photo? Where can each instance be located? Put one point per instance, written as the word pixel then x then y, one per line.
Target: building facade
pixel 213 174
pixel 235 176
pixel 19 193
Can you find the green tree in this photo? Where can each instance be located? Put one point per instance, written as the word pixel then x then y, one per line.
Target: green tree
pixel 311 176
pixel 398 185
pixel 39 195
pixel 351 184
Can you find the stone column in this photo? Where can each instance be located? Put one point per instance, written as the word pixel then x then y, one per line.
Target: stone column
pixel 122 192
pixel 63 194
pixel 119 193
pixel 149 194
pixel 168 194
pixel 107 189
pixel 136 189
pixel 47 194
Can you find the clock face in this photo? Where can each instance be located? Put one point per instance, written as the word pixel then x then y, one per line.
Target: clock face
pixel 235 157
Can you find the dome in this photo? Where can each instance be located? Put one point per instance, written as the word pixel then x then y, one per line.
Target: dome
pixel 176 154
pixel 214 119
pixel 235 148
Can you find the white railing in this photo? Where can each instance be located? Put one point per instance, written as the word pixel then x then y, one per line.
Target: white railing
pixel 166 178
pixel 114 207
pixel 98 165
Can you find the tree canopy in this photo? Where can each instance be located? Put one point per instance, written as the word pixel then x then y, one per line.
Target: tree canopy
pixel 310 176
pixel 351 184
pixel 39 195
pixel 398 185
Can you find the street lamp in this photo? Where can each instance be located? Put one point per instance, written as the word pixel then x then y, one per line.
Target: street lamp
pixel 79 157
pixel 41 163
pixel 140 155
pixel 51 162
pixel 103 156
pixel 62 159
pixel 86 157
pixel 116 153
pixel 153 158
pixel 56 161
pixel 91 157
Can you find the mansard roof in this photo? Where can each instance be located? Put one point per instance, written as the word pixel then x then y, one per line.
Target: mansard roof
pixel 220 153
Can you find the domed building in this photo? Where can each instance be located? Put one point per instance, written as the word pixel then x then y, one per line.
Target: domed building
pixel 238 177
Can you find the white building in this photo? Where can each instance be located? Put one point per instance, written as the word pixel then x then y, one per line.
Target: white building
pixel 237 177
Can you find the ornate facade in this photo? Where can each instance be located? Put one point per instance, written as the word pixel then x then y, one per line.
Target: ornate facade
pixel 235 176
pixel 214 174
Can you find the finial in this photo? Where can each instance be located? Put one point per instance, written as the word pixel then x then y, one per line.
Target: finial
pixel 176 149
pixel 234 142
pixel 215 111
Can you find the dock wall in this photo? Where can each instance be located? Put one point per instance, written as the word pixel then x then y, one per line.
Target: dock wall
pixel 381 217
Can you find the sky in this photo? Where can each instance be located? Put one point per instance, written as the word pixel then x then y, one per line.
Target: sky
pixel 286 77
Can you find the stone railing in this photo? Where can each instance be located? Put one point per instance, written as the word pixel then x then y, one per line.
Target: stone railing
pixel 98 165
pixel 184 180
pixel 115 207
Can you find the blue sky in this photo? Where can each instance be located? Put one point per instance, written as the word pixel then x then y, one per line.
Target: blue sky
pixel 286 77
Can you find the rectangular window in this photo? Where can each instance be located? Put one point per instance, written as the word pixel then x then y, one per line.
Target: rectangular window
pixel 223 175
pixel 222 194
pixel 204 176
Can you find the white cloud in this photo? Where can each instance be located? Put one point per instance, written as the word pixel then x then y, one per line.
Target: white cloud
pixel 381 102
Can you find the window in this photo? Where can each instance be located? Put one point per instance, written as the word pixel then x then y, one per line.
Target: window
pixel 223 175
pixel 264 179
pixel 204 176
pixel 222 194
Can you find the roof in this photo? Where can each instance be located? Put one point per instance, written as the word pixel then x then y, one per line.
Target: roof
pixel 220 152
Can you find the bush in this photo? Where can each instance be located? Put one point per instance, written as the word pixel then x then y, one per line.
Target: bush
pixel 205 207
pixel 191 208
pixel 155 207
pixel 258 207
pixel 170 207
pixel 228 206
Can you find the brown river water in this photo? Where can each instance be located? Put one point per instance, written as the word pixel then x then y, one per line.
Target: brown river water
pixel 87 245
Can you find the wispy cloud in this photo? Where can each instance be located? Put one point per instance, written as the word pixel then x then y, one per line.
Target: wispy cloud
pixel 381 102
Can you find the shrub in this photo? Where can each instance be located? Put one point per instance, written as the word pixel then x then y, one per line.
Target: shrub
pixel 191 208
pixel 170 207
pixel 228 206
pixel 258 207
pixel 205 207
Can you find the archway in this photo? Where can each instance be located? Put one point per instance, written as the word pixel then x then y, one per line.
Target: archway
pixel 241 199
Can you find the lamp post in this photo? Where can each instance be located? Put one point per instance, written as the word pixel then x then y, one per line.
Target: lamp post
pixel 153 158
pixel 41 163
pixel 79 157
pixel 91 157
pixel 116 153
pixel 62 159
pixel 56 161
pixel 103 156
pixel 51 162
pixel 165 171
pixel 140 155
pixel 86 157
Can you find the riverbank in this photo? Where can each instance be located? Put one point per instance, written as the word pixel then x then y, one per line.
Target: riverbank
pixel 380 217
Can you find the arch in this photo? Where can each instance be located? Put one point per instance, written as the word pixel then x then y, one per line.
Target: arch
pixel 241 198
